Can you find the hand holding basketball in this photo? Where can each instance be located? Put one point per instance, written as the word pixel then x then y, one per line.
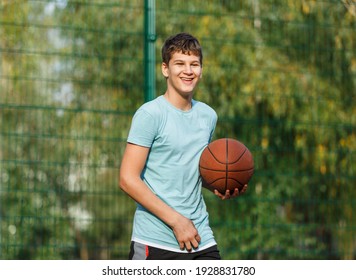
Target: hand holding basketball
pixel 229 194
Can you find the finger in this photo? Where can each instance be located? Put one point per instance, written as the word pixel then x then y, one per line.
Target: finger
pixel 181 245
pixel 227 194
pixel 195 243
pixel 188 246
pixel 216 192
pixel 236 192
pixel 242 191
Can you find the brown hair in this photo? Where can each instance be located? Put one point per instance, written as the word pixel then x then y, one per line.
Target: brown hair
pixel 184 43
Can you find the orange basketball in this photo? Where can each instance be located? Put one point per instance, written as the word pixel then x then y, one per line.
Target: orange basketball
pixel 226 164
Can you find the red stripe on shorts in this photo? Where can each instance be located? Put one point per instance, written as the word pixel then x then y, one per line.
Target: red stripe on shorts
pixel 147 251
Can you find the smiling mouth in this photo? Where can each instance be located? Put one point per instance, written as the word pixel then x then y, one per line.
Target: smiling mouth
pixel 187 79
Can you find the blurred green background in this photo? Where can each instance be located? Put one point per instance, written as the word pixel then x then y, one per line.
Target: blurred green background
pixel 281 75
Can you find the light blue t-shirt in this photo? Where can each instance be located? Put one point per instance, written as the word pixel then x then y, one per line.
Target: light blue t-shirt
pixel 176 140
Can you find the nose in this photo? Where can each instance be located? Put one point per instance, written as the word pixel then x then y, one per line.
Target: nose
pixel 188 69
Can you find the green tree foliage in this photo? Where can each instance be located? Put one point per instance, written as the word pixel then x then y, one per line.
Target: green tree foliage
pixel 26 202
pixel 63 122
pixel 280 74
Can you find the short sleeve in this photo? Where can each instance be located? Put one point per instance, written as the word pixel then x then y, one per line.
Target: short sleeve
pixel 214 120
pixel 143 129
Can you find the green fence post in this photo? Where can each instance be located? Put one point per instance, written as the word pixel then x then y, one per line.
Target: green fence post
pixel 149 52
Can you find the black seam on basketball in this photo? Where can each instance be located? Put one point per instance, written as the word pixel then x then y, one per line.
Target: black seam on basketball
pixel 241 170
pixel 222 178
pixel 237 181
pixel 210 169
pixel 239 157
pixel 223 170
pixel 224 162
pixel 215 156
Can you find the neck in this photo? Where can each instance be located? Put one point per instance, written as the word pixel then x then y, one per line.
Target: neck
pixel 183 103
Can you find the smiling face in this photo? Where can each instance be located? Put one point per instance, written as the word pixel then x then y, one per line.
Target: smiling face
pixel 183 73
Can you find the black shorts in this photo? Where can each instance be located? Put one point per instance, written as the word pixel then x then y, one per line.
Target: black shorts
pixel 140 251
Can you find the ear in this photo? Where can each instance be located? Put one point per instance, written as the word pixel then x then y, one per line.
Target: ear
pixel 201 73
pixel 164 68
